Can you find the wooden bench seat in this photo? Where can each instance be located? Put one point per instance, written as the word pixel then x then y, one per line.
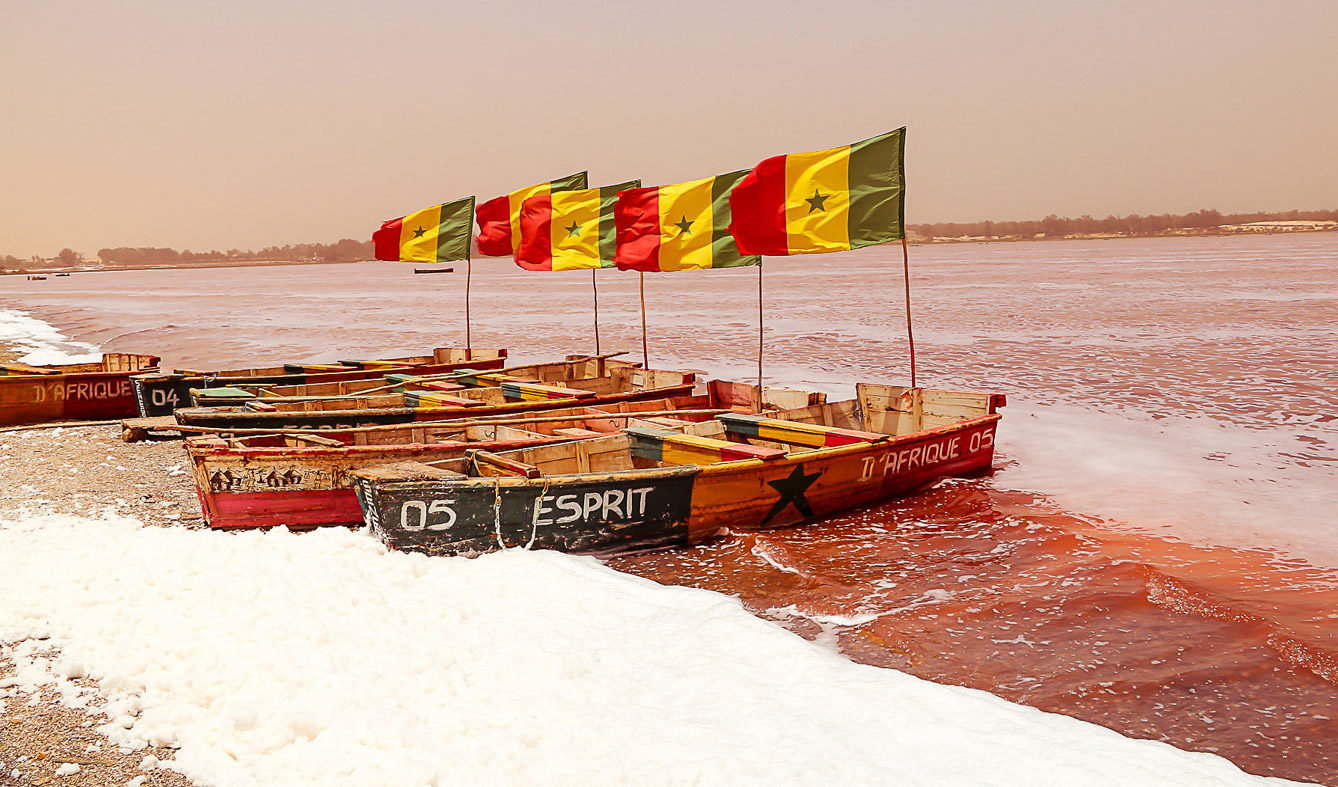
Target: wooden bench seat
pixel 441 385
pixel 486 463
pixel 523 388
pixel 676 448
pixel 304 368
pixel 575 432
pixel 14 369
pixel 228 392
pixel 795 433
pixel 431 399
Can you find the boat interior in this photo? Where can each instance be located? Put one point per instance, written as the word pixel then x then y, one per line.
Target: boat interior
pixel 111 362
pixel 572 379
pixel 878 413
pixel 441 355
pixel 555 374
pixel 571 423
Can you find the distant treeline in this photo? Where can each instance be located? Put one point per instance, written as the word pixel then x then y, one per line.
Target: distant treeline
pixel 1057 227
pixel 347 250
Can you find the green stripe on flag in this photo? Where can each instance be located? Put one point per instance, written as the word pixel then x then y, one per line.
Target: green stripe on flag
pixel 455 230
pixel 724 249
pixel 569 183
pixel 608 233
pixel 878 189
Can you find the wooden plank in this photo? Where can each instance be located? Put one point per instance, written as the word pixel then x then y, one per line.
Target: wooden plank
pixel 789 398
pixel 889 409
pixel 486 459
pixel 782 431
pixel 425 399
pixel 23 368
pixel 676 448
pixel 407 471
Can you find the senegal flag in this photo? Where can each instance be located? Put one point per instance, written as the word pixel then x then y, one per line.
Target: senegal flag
pixel 830 200
pixel 567 230
pixel 678 228
pixel 436 234
pixel 499 219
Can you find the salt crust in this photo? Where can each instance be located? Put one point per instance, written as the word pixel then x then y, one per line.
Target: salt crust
pixel 38 342
pixel 1189 477
pixel 280 659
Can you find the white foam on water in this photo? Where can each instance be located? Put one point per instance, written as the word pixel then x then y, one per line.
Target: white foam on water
pixel 280 659
pixel 1190 477
pixel 40 343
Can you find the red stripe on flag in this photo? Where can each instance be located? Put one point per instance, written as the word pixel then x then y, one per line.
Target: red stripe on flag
pixel 494 220
pixel 536 245
pixel 387 240
pixel 758 208
pixel 637 218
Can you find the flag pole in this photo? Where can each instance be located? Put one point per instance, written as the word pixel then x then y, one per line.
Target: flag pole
pixel 757 403
pixel 469 342
pixel 906 269
pixel 595 285
pixel 645 354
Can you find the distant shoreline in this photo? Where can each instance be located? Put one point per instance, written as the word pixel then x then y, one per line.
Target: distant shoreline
pixel 210 264
pixel 1213 232
pixel 937 240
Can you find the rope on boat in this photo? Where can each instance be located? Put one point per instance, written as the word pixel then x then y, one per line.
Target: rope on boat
pixel 534 519
pixel 497 510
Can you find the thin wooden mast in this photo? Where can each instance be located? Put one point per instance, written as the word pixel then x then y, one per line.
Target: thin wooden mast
pixel 469 343
pixel 645 354
pixel 757 403
pixel 595 285
pixel 906 270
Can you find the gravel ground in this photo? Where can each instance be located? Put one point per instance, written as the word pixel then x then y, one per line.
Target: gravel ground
pixel 82 470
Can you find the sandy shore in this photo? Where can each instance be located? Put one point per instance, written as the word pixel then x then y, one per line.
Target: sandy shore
pixel 82 470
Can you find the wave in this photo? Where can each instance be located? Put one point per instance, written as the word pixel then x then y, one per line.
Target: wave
pixel 37 342
pixel 1185 477
pixel 1178 595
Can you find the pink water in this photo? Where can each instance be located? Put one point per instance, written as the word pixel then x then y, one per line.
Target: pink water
pixel 1156 553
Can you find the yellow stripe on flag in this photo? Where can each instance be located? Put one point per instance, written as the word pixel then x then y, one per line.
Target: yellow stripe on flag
pixel 514 200
pixel 575 229
pixel 817 200
pixel 418 235
pixel 686 225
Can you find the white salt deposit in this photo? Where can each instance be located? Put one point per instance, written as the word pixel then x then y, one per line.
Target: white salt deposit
pixel 279 659
pixel 1192 477
pixel 41 343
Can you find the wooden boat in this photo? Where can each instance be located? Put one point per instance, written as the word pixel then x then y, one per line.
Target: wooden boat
pixel 531 382
pixel 302 480
pixel 434 270
pixel 595 381
pixel 160 393
pixel 37 278
pixel 75 392
pixel 650 488
pixel 739 397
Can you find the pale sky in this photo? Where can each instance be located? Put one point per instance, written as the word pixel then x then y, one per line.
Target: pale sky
pixel 243 123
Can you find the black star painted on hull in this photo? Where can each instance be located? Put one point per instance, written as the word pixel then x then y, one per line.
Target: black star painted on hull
pixel 816 201
pixel 684 226
pixel 418 233
pixel 792 489
pixel 574 229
